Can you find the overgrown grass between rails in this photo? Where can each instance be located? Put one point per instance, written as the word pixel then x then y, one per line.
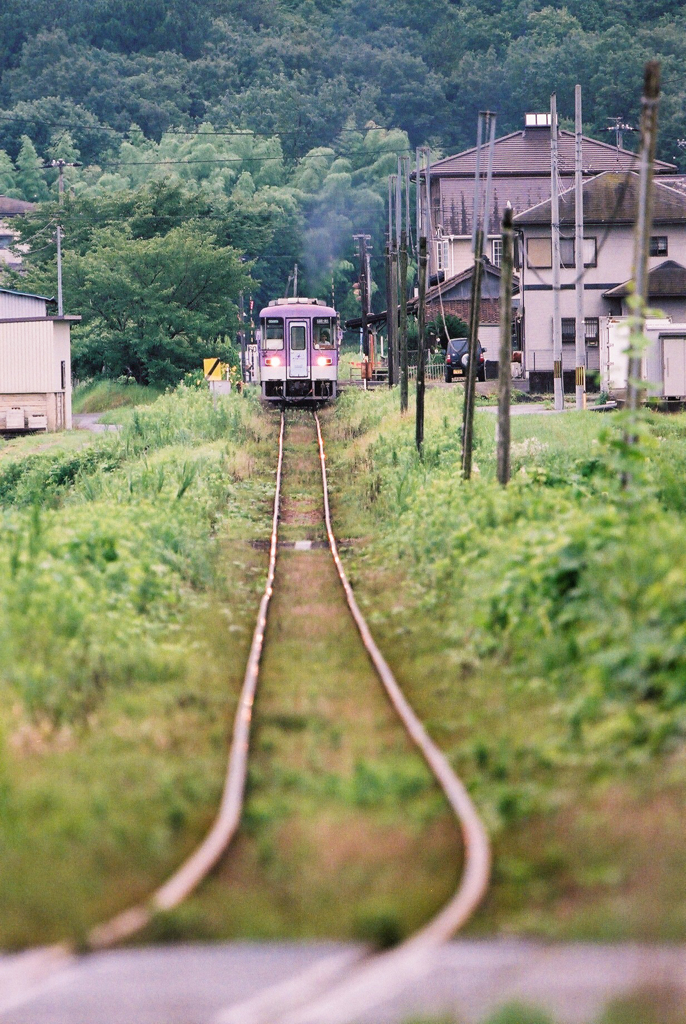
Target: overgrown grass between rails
pixel 554 612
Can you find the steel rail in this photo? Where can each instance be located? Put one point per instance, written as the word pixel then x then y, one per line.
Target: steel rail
pixel 382 976
pixel 204 857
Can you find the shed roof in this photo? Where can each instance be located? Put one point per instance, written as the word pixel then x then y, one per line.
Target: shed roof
pixel 611 198
pixel 527 152
pixel 10 207
pixel 666 281
pixel 27 295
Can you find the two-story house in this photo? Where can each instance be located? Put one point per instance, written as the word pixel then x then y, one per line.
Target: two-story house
pixel 610 202
pixel 521 177
pixel 10 209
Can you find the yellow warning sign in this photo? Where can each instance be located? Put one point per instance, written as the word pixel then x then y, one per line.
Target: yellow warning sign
pixel 214 369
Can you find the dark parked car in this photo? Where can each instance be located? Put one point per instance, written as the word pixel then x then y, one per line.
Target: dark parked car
pixel 457 359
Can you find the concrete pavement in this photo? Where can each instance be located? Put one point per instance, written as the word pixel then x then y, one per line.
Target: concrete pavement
pixel 244 982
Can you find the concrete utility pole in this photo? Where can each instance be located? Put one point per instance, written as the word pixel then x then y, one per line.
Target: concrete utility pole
pixel 392 366
pixel 295 281
pixel 60 165
pixel 558 382
pixel 485 129
pixel 505 353
pixel 644 220
pixel 421 323
pixel 364 288
pixel 580 323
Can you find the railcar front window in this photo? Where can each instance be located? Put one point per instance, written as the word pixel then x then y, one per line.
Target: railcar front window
pixel 272 334
pixel 298 339
pixel 324 335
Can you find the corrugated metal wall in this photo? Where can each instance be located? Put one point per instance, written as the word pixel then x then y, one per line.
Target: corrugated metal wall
pixel 27 358
pixel 21 305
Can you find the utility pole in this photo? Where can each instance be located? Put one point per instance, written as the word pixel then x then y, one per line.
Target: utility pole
pixel 241 315
pixel 558 382
pixel 402 266
pixel 364 288
pixel 580 323
pixel 389 295
pixel 505 353
pixel 644 219
pixel 421 323
pixel 60 165
pixel 485 128
pixel 618 127
pixel 295 281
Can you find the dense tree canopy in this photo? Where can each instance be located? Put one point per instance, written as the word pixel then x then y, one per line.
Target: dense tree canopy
pixel 280 120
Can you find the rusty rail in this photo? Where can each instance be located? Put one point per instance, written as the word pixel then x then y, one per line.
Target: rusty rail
pixel 205 856
pixel 382 976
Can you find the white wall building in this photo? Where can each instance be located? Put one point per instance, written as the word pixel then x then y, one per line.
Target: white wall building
pixel 35 364
pixel 610 202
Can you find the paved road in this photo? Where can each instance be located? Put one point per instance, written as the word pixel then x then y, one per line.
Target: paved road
pixel 91 421
pixel 219 983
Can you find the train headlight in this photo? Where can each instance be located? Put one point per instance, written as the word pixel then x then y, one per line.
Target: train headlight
pixel 324 361
pixel 273 360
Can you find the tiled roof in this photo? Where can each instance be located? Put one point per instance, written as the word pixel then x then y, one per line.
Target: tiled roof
pixel 668 280
pixel 457 201
pixel 612 198
pixel 528 152
pixel 12 207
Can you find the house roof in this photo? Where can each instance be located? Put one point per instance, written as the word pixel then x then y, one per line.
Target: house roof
pixel 527 152
pixel 10 207
pixel 668 280
pixel 442 289
pixel 26 295
pixel 611 198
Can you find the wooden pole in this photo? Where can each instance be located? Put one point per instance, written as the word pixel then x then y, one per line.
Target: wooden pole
pixel 505 353
pixel 558 382
pixel 644 219
pixel 580 328
pixel 404 388
pixel 421 318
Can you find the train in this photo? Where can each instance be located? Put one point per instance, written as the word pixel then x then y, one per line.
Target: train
pixel 298 351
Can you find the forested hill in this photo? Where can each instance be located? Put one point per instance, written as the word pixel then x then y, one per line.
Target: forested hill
pixel 309 67
pixel 228 140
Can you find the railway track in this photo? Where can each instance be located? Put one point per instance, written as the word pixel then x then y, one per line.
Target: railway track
pixel 335 993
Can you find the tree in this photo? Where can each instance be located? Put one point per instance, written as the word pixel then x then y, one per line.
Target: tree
pixel 457 328
pixel 30 180
pixel 152 307
pixel 8 176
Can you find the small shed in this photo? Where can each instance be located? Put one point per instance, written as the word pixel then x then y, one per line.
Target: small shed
pixel 35 364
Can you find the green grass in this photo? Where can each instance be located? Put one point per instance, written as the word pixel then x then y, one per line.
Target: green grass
pixel 126 598
pixel 102 395
pixel 540 631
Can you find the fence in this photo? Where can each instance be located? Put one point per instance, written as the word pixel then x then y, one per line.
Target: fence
pixel 434 371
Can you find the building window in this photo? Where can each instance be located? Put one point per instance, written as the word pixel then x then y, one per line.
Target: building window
pixel 63 375
pixel 590 252
pixel 568 330
pixel 497 252
pixel 539 254
pixel 658 245
pixel 442 255
pixel 568 253
pixel 591 330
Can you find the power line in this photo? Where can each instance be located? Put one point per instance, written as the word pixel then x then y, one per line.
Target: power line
pixel 197 132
